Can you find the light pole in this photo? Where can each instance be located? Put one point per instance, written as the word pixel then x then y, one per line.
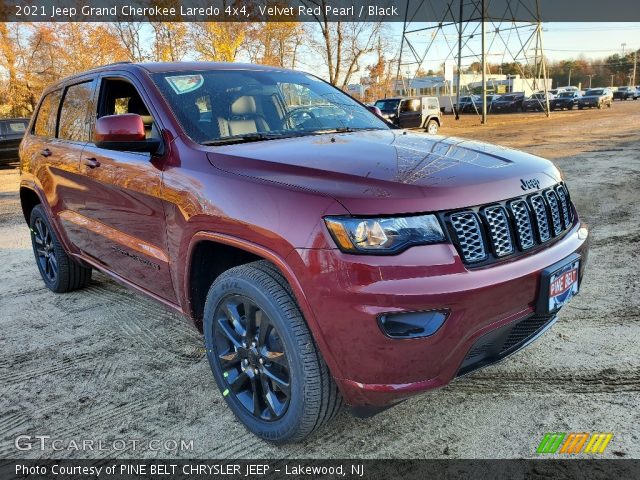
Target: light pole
pixel 590 77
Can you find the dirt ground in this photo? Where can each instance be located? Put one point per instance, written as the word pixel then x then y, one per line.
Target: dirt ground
pixel 106 364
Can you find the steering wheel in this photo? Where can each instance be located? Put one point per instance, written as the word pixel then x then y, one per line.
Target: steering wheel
pixel 298 116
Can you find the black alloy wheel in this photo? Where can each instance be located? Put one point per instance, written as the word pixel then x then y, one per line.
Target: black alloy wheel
pixel 59 272
pixel 252 358
pixel 263 357
pixel 44 250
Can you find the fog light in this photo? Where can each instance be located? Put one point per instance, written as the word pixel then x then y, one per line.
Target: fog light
pixel 412 324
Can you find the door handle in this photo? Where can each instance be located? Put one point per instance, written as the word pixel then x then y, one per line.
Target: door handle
pixel 91 162
pixel 46 152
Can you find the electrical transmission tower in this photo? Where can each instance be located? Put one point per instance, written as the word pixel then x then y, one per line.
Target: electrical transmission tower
pixel 475 33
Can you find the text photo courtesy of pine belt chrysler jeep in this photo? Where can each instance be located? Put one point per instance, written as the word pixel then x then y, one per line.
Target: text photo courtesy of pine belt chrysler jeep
pixel 327 257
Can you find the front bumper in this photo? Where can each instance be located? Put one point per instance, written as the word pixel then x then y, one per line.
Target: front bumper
pixel 349 292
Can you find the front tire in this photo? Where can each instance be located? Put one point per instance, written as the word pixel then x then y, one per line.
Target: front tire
pixel 59 272
pixel 263 356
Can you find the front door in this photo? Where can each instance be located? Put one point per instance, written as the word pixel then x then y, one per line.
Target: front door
pixel 410 113
pixel 123 213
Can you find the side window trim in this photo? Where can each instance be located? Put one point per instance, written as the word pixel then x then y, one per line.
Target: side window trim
pixel 51 94
pixel 93 82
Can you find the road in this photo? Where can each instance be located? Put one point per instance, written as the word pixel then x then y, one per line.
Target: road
pixel 106 364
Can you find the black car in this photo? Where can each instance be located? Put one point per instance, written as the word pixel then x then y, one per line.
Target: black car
pixel 625 93
pixel 566 100
pixel 536 102
pixel 511 102
pixel 11 133
pixel 475 106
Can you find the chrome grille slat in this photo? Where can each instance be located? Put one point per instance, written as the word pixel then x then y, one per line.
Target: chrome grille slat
pixel 489 233
pixel 554 207
pixel 524 229
pixel 499 230
pixel 564 203
pixel 470 241
pixel 540 213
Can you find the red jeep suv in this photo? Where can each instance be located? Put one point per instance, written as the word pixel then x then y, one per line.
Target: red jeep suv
pixel 326 256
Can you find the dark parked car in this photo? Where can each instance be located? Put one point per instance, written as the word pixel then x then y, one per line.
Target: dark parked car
pixel 326 257
pixel 475 106
pixel 466 103
pixel 511 102
pixel 11 133
pixel 566 100
pixel 596 98
pixel 536 102
pixel 626 93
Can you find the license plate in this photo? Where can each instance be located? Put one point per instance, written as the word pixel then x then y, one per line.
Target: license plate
pixel 560 283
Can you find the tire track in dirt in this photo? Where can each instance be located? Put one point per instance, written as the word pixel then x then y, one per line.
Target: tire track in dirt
pixel 609 380
pixel 22 372
pixel 140 321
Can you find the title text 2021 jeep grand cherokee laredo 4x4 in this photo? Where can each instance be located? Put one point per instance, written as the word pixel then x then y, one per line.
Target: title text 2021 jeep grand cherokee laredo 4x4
pixel 326 257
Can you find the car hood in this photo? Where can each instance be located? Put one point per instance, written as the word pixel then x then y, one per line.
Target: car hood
pixel 388 172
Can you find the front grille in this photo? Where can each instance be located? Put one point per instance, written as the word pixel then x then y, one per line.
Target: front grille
pixel 499 343
pixel 491 232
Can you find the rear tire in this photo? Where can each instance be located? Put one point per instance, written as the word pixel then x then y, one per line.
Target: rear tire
pixel 263 356
pixel 59 272
pixel 432 127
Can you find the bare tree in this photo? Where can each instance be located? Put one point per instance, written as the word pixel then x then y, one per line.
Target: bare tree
pixel 129 34
pixel 344 44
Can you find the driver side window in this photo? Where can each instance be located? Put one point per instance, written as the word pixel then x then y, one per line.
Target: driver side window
pixel 118 96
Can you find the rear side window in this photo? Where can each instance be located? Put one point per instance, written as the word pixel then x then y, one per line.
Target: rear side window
pixel 73 114
pixel 15 128
pixel 45 125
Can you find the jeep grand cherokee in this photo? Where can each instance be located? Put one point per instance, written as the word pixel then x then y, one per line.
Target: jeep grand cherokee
pixel 326 257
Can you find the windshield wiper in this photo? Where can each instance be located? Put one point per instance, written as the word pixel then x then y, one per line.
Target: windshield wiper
pixel 246 138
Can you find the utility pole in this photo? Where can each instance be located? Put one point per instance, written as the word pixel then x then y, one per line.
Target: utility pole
pixel 569 82
pixel 612 80
pixel 484 68
pixel 459 60
pixel 623 45
pixel 635 66
pixel 591 75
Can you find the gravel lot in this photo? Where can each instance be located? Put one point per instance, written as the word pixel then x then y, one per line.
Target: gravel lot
pixel 106 364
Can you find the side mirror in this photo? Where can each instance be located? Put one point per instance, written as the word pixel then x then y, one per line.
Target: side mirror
pixel 124 133
pixel 375 110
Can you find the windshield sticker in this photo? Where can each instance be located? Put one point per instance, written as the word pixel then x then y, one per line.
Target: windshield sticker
pixel 185 83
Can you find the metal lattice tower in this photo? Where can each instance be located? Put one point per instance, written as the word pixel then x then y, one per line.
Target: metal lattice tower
pixel 467 32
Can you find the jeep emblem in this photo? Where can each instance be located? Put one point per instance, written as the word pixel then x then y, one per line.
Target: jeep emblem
pixel 530 184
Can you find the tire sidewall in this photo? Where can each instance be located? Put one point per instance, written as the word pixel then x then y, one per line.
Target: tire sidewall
pixel 285 427
pixel 38 213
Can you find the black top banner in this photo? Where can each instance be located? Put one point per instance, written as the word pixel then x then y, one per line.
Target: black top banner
pixel 439 11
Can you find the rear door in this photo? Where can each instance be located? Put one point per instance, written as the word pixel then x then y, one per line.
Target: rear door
pixel 124 215
pixel 53 160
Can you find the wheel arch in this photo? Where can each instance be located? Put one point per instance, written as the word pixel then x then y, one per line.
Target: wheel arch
pixel 29 198
pixel 198 261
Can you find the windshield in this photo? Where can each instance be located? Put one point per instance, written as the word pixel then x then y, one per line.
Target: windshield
pixel 508 98
pixel 387 105
pixel 224 106
pixel 567 94
pixel 594 92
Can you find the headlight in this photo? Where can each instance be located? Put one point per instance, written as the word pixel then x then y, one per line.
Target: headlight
pixel 383 235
